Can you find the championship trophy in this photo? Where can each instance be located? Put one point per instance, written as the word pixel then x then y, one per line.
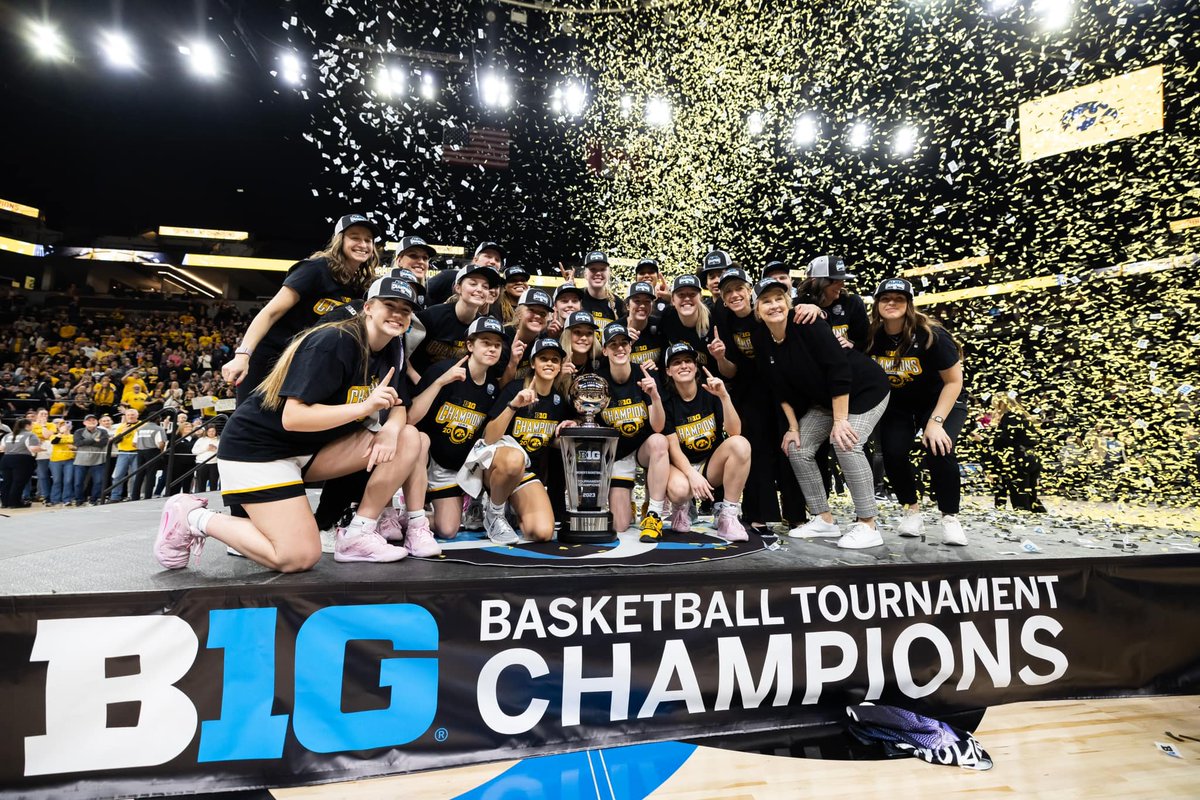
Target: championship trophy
pixel 589 451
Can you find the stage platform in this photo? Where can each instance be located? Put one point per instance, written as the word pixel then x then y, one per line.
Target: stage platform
pixel 128 679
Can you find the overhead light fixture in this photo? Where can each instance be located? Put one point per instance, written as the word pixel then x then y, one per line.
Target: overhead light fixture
pixel 237 262
pixel 202 233
pixel 569 98
pixel 118 50
pixel 626 105
pixel 428 86
pixel 905 140
pixel 754 123
pixel 1000 6
pixel 806 130
pixel 658 112
pixel 1053 14
pixel 859 135
pixel 494 91
pixel 390 82
pixel 46 41
pixel 202 57
pixel 291 72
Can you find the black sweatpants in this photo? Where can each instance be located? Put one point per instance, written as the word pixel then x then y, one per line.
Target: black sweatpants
pixel 16 469
pixel 896 432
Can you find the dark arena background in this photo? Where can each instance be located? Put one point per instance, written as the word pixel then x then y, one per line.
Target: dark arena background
pixel 1031 166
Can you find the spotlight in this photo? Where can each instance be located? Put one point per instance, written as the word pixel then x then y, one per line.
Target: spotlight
pixel 754 123
pixel 118 50
pixel 626 105
pixel 859 135
pixel 569 99
pixel 1000 6
pixel 202 57
pixel 494 91
pixel 291 72
pixel 1054 14
pixel 46 41
pixel 428 87
pixel 390 82
pixel 806 131
pixel 905 141
pixel 658 112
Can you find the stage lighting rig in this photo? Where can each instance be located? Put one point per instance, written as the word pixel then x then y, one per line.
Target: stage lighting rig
pixel 658 112
pixel 806 130
pixel 428 86
pixel 859 135
pixel 46 41
pixel 118 50
pixel 1053 14
pixel 291 71
pixel 754 123
pixel 905 141
pixel 569 99
pixel 390 82
pixel 626 106
pixel 202 57
pixel 494 90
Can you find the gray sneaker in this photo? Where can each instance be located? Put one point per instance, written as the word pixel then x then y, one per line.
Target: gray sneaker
pixel 472 518
pixel 498 529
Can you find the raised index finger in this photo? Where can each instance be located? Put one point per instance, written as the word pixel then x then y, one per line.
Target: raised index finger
pixel 463 360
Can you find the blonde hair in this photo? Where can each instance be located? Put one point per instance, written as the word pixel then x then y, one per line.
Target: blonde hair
pixel 787 300
pixel 564 339
pixel 355 278
pixel 355 326
pixel 703 316
pixel 508 309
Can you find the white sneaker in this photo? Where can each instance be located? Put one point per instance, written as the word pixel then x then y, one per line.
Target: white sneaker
pixel 498 529
pixel 815 528
pixel 860 536
pixel 233 552
pixel 329 539
pixel 952 531
pixel 912 524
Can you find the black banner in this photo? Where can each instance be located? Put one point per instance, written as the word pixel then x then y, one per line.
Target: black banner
pixel 251 686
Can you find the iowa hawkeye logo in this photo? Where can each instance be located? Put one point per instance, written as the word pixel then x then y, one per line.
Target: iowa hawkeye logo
pixel 901 370
pixel 628 419
pixel 699 435
pixel 533 434
pixel 459 424
pixel 327 304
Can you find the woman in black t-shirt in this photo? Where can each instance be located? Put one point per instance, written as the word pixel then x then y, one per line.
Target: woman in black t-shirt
pixel 522 423
pixel 704 440
pixel 446 324
pixel 317 416
pixel 311 288
pixel 688 319
pixel 579 342
pixel 924 367
pixel 598 298
pixel 450 408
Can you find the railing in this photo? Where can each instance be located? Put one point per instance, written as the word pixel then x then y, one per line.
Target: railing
pixel 151 466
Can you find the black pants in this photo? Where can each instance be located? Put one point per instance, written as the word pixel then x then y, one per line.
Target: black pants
pixel 337 495
pixel 16 470
pixel 759 501
pixel 896 432
pixel 206 477
pixel 143 479
pixel 1016 479
pixel 181 465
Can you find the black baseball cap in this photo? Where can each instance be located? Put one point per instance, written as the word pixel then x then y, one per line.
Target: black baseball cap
pixel 86 417
pixel 493 277
pixel 646 265
pixel 489 246
pixel 389 288
pixel 832 267
pixel 686 281
pixel 534 296
pixel 896 285
pixel 640 287
pixel 408 275
pixel 565 288
pixel 595 257
pixel 485 325
pixel 515 273
pixel 768 284
pixel 545 343
pixel 717 259
pixel 680 349
pixel 581 318
pixel 409 242
pixel 357 219
pixel 775 266
pixel 733 274
pixel 611 331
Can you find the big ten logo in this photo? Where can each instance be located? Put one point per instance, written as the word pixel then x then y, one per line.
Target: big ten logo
pixel 80 691
pixel 327 304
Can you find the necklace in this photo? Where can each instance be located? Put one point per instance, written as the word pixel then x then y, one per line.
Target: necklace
pixel 777 339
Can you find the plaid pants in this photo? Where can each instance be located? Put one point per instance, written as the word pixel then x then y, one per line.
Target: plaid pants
pixel 815 427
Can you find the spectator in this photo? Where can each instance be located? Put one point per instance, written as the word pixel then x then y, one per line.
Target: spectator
pixel 91 444
pixel 126 454
pixel 182 461
pixel 149 439
pixel 205 450
pixel 17 463
pixel 45 431
pixel 62 464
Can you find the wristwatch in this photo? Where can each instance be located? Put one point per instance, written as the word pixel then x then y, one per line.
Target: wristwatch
pixel 939 419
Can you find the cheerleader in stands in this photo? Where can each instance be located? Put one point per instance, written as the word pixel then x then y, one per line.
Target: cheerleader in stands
pixel 706 448
pixel 514 454
pixel 580 344
pixel 317 416
pixel 450 407
pixel 827 393
pixel 597 298
pixel 329 278
pixel 924 366
pixel 635 410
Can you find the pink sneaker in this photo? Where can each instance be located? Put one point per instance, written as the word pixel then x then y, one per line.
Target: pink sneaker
pixel 177 541
pixel 729 527
pixel 681 520
pixel 392 523
pixel 366 546
pixel 420 541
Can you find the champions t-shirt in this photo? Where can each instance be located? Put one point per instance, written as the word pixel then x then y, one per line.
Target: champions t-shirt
pixel 648 347
pixel 848 318
pixel 672 330
pixel 913 371
pixel 319 293
pixel 699 423
pixel 326 370
pixel 534 425
pixel 457 416
pixel 445 337
pixel 604 311
pixel 628 411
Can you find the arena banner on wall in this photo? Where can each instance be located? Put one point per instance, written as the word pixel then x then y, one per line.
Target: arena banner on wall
pixel 1105 111
pixel 246 687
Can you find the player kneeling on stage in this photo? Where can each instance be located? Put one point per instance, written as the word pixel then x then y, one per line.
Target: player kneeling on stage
pixel 707 450
pixel 315 417
pixel 511 458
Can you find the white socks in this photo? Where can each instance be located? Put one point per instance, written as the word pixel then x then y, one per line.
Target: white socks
pixel 656 507
pixel 358 525
pixel 198 518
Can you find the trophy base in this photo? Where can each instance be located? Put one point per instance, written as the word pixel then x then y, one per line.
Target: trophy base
pixel 587 527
